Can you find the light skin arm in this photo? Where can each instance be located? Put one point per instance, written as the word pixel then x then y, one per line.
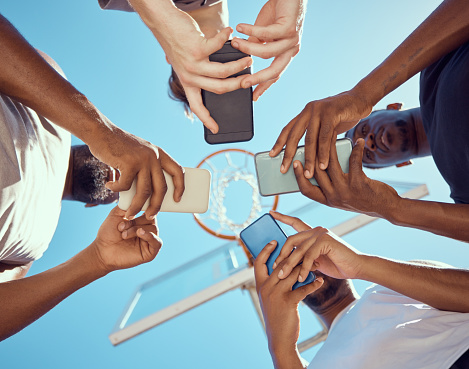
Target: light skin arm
pixel 356 192
pixel 188 50
pixel 443 31
pixel 119 244
pixel 439 286
pixel 28 78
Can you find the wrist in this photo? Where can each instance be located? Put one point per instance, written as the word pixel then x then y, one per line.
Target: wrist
pixel 154 13
pixel 286 357
pixel 393 209
pixel 91 262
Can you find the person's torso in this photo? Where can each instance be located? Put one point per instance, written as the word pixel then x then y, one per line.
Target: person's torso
pixel 184 5
pixel 387 330
pixel 34 159
pixel 444 104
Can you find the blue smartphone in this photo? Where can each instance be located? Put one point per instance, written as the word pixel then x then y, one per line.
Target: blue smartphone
pixel 258 234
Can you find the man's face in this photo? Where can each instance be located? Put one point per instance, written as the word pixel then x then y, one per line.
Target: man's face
pixel 390 137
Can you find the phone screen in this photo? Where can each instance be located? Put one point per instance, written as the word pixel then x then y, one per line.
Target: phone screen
pixel 257 235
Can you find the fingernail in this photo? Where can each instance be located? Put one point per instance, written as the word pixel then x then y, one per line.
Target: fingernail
pixel 234 43
pixel 320 279
pixel 322 166
pixel 280 274
pixel 307 174
pixel 150 217
pixel 239 28
pixel 213 131
pixel 271 153
pixel 295 165
pixel 140 232
pixel 282 168
pixel 274 266
pixel 121 226
pixel 131 217
pixel 300 278
pixel 255 99
pixel 247 84
pixel 124 234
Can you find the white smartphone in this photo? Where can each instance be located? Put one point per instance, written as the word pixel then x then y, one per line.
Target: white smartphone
pixel 272 182
pixel 194 200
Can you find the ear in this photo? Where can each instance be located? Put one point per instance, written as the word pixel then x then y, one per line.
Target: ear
pixel 90 205
pixel 395 106
pixel 404 164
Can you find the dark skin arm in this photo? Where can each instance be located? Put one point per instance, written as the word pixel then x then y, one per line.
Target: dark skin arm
pixel 28 78
pixel 443 31
pixel 356 192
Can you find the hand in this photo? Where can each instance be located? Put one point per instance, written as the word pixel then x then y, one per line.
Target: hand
pixel 280 304
pixel 122 244
pixel 353 191
pixel 319 119
pixel 188 50
pixel 135 157
pixel 275 34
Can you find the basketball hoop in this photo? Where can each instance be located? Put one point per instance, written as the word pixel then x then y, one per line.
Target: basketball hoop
pixel 229 167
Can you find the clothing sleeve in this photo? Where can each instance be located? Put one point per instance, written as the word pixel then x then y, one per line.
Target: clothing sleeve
pixel 115 5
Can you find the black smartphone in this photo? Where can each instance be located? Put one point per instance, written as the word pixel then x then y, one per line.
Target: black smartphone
pixel 233 111
pixel 257 235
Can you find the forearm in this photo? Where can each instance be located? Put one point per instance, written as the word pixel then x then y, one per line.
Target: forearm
pixel 449 220
pixel 441 288
pixel 156 14
pixel 287 358
pixel 24 301
pixel 443 31
pixel 28 78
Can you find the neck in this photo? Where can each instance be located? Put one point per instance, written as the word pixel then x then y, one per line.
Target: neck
pixel 330 313
pixel 211 19
pixel 423 146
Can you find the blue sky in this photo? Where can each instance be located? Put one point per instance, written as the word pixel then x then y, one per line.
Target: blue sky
pixel 116 62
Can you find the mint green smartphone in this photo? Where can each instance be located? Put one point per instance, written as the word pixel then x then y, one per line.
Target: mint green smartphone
pixel 272 182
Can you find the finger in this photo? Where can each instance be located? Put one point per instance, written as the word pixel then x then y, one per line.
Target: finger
pixel 273 72
pixel 286 253
pixel 311 141
pixel 306 187
pixel 301 292
pixel 266 33
pixel 216 43
pixel 129 223
pixel 124 182
pixel 194 98
pixel 282 138
pixel 223 70
pixel 218 86
pixel 355 161
pixel 175 171
pixel 154 243
pixel 143 192
pixel 297 224
pixel 326 130
pixel 159 191
pixel 323 180
pixel 292 142
pixel 261 88
pixel 117 211
pixel 132 231
pixel 261 272
pixel 263 50
pixel 335 171
pixel 308 263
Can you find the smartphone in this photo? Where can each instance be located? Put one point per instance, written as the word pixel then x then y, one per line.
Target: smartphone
pixel 194 200
pixel 233 110
pixel 259 233
pixel 272 182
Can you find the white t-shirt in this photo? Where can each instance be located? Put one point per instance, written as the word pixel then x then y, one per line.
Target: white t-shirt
pixel 386 330
pixel 34 159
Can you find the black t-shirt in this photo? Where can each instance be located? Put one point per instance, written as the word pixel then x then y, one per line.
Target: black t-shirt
pixel 444 104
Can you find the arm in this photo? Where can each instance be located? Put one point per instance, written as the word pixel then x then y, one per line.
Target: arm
pixel 24 301
pixel 439 286
pixel 275 34
pixel 356 192
pixel 187 50
pixel 279 305
pixel 444 30
pixel 28 78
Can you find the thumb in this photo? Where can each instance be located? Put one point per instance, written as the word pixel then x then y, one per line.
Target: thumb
pixel 216 43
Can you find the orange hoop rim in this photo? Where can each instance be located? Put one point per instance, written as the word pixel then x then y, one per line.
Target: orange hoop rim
pixel 202 225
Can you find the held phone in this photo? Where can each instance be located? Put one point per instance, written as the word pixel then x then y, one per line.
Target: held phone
pixel 272 182
pixel 233 110
pixel 258 234
pixel 194 200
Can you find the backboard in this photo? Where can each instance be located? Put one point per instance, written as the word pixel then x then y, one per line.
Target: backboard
pixel 226 268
